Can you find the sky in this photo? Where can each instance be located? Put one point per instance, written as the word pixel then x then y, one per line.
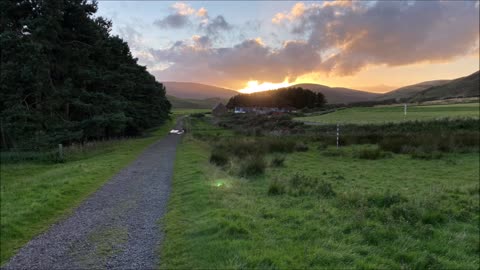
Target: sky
pixel 258 45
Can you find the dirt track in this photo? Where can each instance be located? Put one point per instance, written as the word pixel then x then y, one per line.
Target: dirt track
pixel 117 227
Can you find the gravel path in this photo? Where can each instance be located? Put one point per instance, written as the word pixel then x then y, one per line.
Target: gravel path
pixel 117 227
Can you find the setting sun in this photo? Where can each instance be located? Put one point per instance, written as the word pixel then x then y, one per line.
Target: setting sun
pixel 254 86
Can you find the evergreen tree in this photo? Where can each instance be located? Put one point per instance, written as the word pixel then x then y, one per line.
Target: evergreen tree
pixel 296 97
pixel 65 78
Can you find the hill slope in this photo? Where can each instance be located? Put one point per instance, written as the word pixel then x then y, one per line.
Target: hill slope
pixel 462 87
pixel 187 90
pixel 178 103
pixel 410 90
pixel 336 95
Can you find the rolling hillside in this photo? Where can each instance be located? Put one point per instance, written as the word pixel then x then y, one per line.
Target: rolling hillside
pixel 336 95
pixel 410 90
pixel 208 103
pixel 187 90
pixel 462 87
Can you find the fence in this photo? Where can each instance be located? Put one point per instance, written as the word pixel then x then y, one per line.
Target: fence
pixel 60 153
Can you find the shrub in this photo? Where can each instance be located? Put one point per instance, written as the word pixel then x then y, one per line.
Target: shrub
pixel 334 152
pixel 219 157
pixel 393 144
pixel 276 187
pixel 300 185
pixel 278 161
pixel 198 115
pixel 425 153
pixel 252 166
pixel 301 147
pixel 241 148
pixel 279 145
pixel 386 199
pixel 370 153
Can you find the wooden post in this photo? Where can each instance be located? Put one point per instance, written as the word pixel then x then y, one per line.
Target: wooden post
pixel 338 134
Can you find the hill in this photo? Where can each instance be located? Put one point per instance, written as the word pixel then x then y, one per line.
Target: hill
pixel 188 90
pixel 208 103
pixel 462 87
pixel 410 90
pixel 336 95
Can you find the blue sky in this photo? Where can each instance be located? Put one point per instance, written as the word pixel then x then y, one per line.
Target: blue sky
pixel 365 45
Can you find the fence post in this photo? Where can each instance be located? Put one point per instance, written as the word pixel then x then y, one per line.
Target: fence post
pixel 60 152
pixel 338 133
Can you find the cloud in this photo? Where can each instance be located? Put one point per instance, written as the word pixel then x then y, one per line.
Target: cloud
pixel 173 21
pixel 180 17
pixel 387 33
pixel 183 9
pixel 250 59
pixel 337 37
pixel 184 15
pixel 215 26
pixel 201 41
pixel 202 12
pixel 297 10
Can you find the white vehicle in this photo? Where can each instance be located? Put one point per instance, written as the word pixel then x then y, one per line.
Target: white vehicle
pixel 177 131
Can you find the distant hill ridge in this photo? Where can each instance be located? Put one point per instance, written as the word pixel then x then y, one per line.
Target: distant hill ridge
pixel 337 95
pixel 410 90
pixel 196 95
pixel 207 103
pixel 189 90
pixel 463 87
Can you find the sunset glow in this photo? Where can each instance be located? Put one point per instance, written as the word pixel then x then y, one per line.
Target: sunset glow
pixel 254 86
pixel 251 47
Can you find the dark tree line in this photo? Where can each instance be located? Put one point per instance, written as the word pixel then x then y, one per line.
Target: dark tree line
pixel 65 78
pixel 296 97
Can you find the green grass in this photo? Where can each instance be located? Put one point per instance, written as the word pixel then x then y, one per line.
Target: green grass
pixel 384 114
pixel 35 195
pixel 189 111
pixel 394 212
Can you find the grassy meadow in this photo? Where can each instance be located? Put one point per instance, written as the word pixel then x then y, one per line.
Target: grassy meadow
pixel 385 114
pixel 291 203
pixel 36 194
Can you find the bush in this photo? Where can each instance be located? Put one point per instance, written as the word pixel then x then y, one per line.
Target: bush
pixel 241 148
pixel 279 145
pixel 300 185
pixel 198 115
pixel 301 147
pixel 385 200
pixel 252 166
pixel 393 144
pixel 219 157
pixel 370 153
pixel 278 161
pixel 334 152
pixel 425 153
pixel 276 187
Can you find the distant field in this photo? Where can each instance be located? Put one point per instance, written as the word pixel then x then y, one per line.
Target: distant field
pixel 189 111
pixel 386 114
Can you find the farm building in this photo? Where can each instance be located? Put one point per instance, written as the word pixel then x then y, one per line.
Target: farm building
pixel 219 110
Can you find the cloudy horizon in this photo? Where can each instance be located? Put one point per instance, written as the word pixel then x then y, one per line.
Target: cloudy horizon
pixel 374 46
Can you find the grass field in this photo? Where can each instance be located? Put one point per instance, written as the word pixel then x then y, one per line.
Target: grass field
pixel 189 111
pixel 35 195
pixel 394 212
pixel 384 114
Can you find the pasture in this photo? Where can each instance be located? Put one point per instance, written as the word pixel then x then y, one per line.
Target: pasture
pixel 395 114
pixel 316 206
